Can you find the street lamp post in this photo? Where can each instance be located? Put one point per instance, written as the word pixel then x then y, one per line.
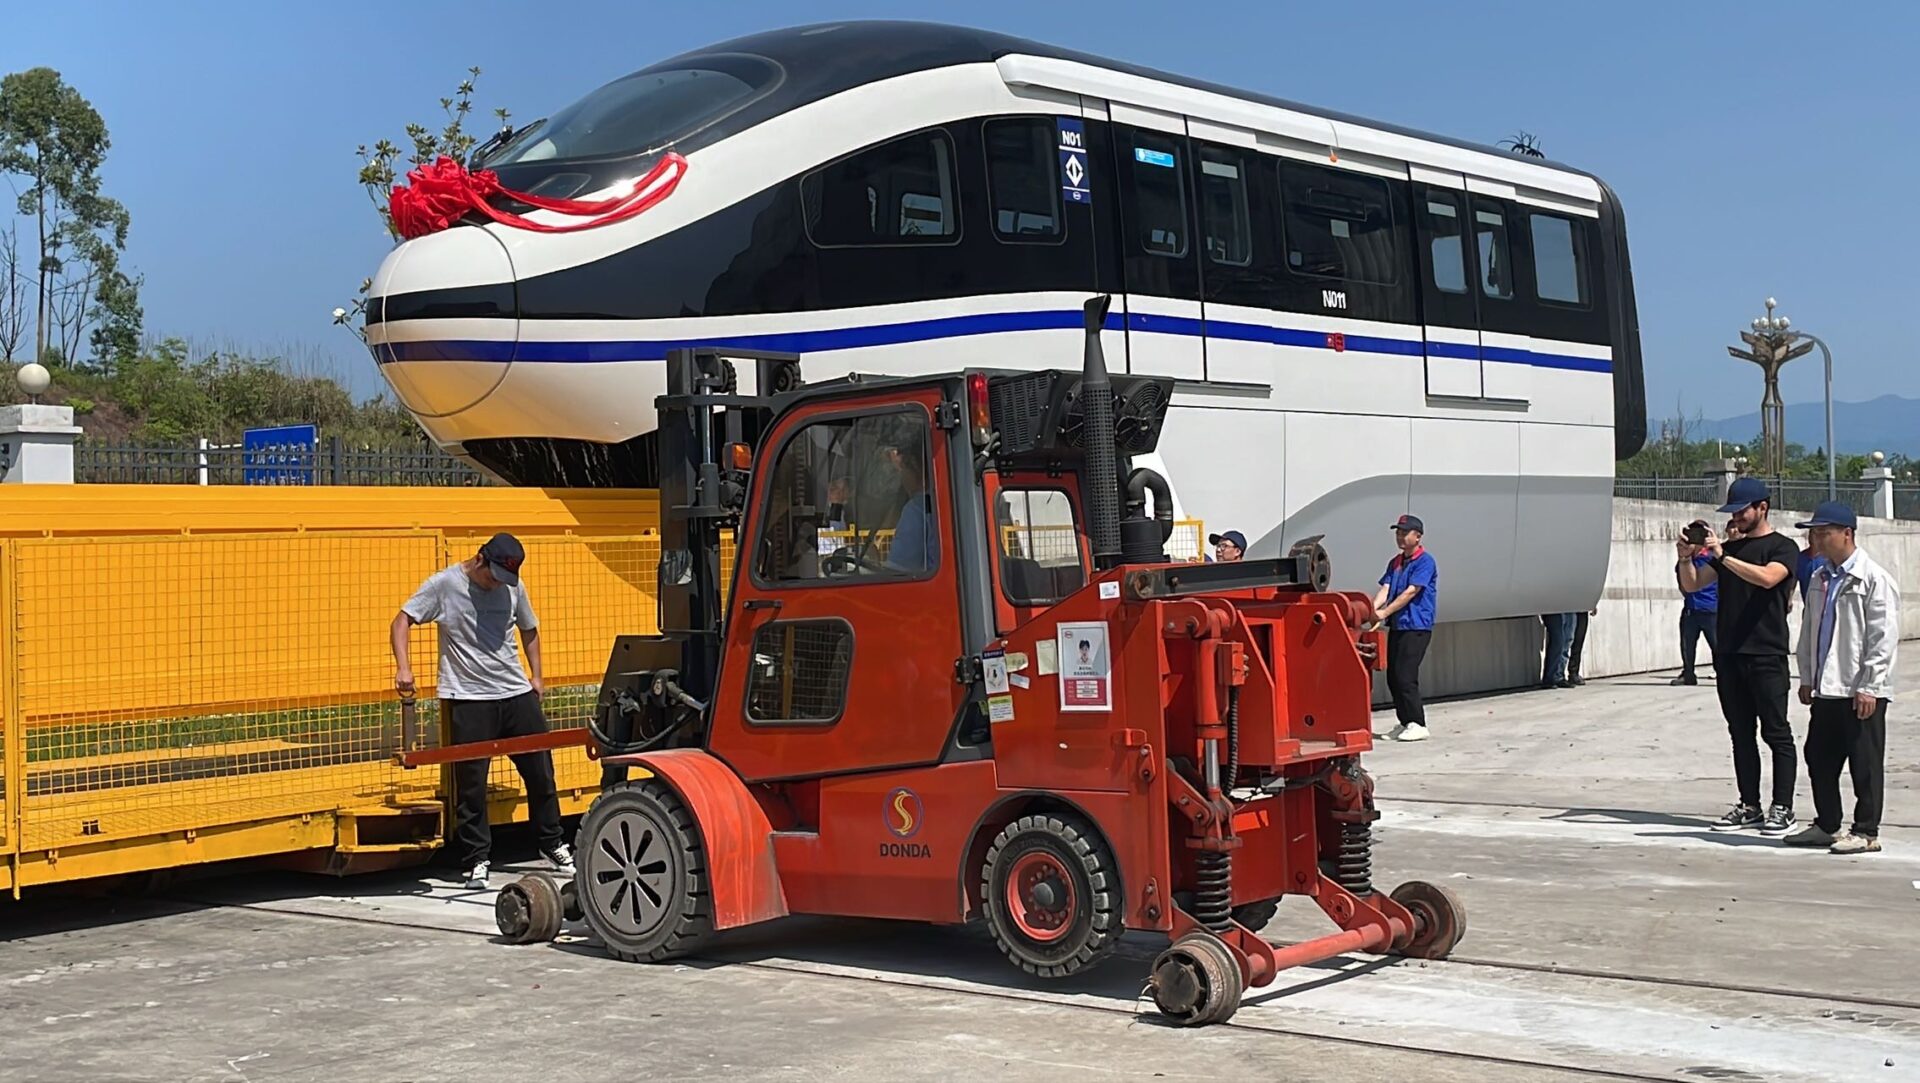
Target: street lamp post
pixel 1773 344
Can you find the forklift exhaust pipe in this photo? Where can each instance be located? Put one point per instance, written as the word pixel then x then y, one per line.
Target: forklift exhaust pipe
pixel 1103 472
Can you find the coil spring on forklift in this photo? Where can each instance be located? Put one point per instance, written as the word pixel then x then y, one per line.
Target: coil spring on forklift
pixel 1213 894
pixel 1353 866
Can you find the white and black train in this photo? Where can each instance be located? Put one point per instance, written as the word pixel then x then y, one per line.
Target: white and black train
pixel 1362 319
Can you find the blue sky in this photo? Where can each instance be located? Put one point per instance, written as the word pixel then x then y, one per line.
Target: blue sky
pixel 1760 148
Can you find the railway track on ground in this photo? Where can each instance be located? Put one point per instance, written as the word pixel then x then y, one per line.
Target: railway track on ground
pixel 870 975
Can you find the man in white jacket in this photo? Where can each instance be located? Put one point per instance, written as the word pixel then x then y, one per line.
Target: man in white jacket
pixel 1849 633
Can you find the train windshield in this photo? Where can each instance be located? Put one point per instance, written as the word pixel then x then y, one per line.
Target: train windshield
pixel 644 112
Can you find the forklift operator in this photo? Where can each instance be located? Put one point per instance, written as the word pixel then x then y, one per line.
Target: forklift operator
pixel 916 534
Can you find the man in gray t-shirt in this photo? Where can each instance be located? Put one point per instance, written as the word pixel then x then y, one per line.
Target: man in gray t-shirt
pixel 484 695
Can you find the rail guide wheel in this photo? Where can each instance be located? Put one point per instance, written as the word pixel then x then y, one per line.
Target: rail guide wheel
pixel 1439 919
pixel 1197 981
pixel 641 874
pixel 529 910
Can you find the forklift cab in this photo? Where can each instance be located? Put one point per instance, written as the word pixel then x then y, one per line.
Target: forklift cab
pixel 888 536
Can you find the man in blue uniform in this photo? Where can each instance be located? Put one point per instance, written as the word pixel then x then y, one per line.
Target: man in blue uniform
pixel 1699 616
pixel 1405 603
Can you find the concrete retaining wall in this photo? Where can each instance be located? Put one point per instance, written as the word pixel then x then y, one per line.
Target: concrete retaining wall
pixel 1636 628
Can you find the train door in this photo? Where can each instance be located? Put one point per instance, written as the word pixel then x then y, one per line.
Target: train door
pixel 1160 256
pixel 1449 308
pixel 1506 350
pixel 852 528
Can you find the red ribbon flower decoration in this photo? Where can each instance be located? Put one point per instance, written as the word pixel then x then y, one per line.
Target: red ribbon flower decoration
pixel 436 196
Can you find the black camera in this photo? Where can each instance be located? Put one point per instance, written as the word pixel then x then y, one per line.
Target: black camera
pixel 1695 533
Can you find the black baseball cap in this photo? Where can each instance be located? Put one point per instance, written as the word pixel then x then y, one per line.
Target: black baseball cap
pixel 504 555
pixel 1410 522
pixel 1234 537
pixel 1744 493
pixel 1832 513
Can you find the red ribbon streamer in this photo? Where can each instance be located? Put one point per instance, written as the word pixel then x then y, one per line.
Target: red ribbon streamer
pixel 436 196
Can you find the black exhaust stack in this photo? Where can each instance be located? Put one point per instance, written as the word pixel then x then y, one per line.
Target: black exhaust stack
pixel 1103 471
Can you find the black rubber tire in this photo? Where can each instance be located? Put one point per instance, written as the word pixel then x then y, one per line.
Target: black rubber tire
pixel 1095 926
pixel 1256 915
pixel 641 874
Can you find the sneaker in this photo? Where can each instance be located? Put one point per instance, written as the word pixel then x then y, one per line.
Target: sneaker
pixel 1414 732
pixel 1779 821
pixel 1564 682
pixel 1851 843
pixel 476 877
pixel 1576 680
pixel 1739 817
pixel 1678 681
pixel 1812 835
pixel 560 858
pixel 1395 733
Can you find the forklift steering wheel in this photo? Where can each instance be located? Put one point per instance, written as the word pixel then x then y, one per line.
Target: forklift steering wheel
pixel 844 561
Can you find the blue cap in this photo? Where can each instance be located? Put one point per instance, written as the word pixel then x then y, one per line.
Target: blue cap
pixel 1745 492
pixel 1233 537
pixel 1832 513
pixel 1410 522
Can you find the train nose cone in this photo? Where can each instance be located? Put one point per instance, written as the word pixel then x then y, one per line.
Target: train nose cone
pixel 442 320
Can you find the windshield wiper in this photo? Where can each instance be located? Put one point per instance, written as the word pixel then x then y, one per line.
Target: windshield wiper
pixel 505 135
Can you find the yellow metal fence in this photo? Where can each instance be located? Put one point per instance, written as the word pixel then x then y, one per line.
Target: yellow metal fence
pixel 206 674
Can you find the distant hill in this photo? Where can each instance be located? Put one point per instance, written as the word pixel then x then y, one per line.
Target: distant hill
pixel 1889 423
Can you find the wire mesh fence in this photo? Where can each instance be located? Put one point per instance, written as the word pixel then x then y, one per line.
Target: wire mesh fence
pixel 162 684
pixel 1795 494
pixel 331 462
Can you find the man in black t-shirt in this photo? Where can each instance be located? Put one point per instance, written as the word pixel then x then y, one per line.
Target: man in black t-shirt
pixel 1754 573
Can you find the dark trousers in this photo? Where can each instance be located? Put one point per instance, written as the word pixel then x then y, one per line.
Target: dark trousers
pixel 470 720
pixel 1405 649
pixel 1837 736
pixel 1693 625
pixel 1753 689
pixel 1559 646
pixel 1579 643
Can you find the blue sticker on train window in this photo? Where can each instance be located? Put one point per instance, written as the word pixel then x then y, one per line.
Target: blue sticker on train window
pixel 1153 157
pixel 1076 180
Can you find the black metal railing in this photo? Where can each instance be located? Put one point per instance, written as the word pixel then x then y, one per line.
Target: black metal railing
pixel 1794 494
pixel 330 462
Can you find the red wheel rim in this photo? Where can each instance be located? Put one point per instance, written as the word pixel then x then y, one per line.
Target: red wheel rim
pixel 1040 896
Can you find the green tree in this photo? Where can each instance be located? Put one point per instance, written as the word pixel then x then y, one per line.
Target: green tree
pixel 52 138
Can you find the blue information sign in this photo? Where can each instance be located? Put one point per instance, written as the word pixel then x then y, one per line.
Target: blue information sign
pixel 1076 181
pixel 283 455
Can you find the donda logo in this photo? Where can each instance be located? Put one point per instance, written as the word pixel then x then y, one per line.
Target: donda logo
pixel 903 813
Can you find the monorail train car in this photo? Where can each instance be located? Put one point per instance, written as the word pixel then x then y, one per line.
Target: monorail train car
pixel 1362 320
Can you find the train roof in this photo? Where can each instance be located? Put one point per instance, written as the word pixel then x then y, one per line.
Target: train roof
pixel 836 56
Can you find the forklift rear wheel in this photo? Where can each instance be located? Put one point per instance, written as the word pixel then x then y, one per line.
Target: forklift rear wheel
pixel 1051 895
pixel 1255 915
pixel 642 874
pixel 1439 919
pixel 528 910
pixel 1197 981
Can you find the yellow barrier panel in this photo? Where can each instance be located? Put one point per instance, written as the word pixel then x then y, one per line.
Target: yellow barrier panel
pixel 194 674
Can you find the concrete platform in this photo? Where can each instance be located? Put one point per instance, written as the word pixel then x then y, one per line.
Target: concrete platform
pixel 1611 936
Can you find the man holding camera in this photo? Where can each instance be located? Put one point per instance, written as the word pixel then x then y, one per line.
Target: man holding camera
pixel 1754 574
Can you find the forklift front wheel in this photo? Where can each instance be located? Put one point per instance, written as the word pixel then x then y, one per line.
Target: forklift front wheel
pixel 1197 981
pixel 1052 895
pixel 642 874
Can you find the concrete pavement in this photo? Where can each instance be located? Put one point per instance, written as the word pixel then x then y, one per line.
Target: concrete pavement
pixel 1611 935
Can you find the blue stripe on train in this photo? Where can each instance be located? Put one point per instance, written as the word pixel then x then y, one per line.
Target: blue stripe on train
pixel 894 334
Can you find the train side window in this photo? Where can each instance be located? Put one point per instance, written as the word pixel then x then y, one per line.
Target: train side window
pixel 1224 220
pixel 1448 241
pixel 1559 260
pixel 1496 258
pixel 850 501
pixel 1160 195
pixel 1338 225
pixel 798 672
pixel 1040 559
pixel 902 192
pixel 1022 185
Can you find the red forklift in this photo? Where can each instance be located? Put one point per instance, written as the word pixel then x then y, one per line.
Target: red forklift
pixel 955 678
